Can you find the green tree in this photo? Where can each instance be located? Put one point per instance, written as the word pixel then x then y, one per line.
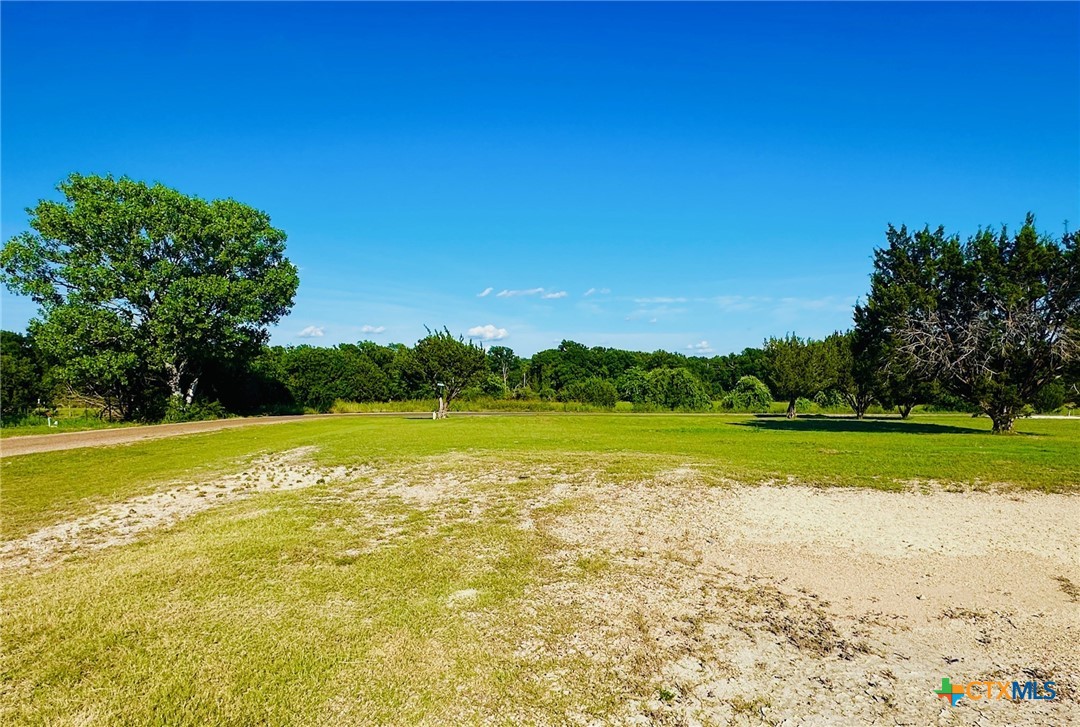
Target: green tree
pixel 633 385
pixel 994 320
pixel 750 394
pixel 503 362
pixel 593 390
pixel 855 360
pixel 22 375
pixel 140 285
pixel 676 388
pixel 449 365
pixel 797 369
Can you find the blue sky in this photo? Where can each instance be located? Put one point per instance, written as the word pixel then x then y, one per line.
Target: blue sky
pixel 692 177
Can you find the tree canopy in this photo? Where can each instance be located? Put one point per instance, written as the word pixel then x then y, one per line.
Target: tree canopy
pixel 449 365
pixel 994 320
pixel 797 368
pixel 140 286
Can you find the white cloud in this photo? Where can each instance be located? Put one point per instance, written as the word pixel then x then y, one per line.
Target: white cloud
pixel 515 293
pixel 589 292
pixel 488 333
pixel 372 329
pixel 700 347
pixel 312 332
pixel 542 292
pixel 486 293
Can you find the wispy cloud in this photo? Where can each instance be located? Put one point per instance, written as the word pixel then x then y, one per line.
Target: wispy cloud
pixel 488 333
pixel 486 293
pixel 542 292
pixel 372 329
pixel 829 303
pixel 516 293
pixel 312 332
pixel 594 291
pixel 701 346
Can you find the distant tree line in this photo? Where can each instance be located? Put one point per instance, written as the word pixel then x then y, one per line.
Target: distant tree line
pixel 155 305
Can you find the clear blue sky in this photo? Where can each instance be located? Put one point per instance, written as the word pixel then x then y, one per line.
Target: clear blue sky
pixel 712 172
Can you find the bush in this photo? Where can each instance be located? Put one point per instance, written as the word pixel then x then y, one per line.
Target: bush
pixel 829 399
pixel 677 389
pixel 1050 398
pixel 594 390
pixel 633 385
pixel 803 404
pixel 177 411
pixel 524 393
pixel 749 394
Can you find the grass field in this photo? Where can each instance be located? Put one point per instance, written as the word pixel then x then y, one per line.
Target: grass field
pixel 409 571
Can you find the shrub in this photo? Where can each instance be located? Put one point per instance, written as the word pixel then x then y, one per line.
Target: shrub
pixel 524 393
pixel 677 389
pixel 829 399
pixel 633 385
pixel 593 390
pixel 1050 398
pixel 177 411
pixel 749 394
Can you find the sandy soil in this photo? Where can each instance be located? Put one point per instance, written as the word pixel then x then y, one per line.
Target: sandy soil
pixel 794 605
pixel 122 522
pixel 709 602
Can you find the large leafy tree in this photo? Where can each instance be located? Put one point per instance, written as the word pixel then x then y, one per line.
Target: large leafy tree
pixel 994 320
pixel 140 285
pixel 798 368
pixel 449 365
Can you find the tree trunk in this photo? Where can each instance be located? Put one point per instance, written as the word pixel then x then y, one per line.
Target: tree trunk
pixel 172 378
pixel 444 408
pixel 791 409
pixel 1003 422
pixel 904 410
pixel 189 395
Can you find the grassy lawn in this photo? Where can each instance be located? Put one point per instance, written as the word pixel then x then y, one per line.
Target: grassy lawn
pixel 887 453
pixel 354 601
pixel 32 425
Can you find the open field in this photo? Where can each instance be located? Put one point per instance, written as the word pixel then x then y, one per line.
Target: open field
pixel 544 569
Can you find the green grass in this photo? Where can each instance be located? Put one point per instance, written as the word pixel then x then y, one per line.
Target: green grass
pixel 276 610
pixel 883 453
pixel 39 425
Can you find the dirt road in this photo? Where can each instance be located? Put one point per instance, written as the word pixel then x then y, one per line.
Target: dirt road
pixel 12 446
pixel 32 444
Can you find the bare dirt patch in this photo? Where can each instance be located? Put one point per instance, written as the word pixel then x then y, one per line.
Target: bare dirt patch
pixel 797 605
pixel 123 522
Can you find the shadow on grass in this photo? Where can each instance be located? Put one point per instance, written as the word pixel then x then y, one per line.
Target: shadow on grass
pixel 820 423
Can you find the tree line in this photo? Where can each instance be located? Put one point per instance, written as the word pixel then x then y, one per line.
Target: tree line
pixel 155 305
